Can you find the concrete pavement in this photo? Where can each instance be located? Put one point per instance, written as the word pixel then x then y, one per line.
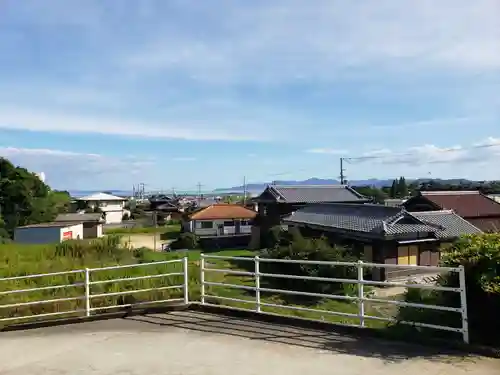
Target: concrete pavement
pixel 200 343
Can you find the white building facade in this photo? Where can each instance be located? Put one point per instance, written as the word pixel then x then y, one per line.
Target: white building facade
pixel 112 206
pixel 48 233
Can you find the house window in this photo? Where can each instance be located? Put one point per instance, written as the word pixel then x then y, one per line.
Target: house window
pixel 245 222
pixel 206 224
pixel 229 223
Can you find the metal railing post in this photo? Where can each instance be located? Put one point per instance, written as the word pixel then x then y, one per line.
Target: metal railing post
pixel 87 292
pixel 463 303
pixel 202 279
pixel 257 284
pixel 186 281
pixel 361 295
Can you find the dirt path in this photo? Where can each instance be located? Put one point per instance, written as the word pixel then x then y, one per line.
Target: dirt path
pixel 144 240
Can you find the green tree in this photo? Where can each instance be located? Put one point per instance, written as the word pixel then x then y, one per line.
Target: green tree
pixel 378 195
pixel 480 256
pixel 24 198
pixel 402 188
pixel 394 189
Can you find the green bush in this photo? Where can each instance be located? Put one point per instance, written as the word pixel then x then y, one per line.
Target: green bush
pixel 480 256
pixel 291 245
pixel 185 241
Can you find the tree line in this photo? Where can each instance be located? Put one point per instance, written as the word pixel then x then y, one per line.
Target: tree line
pixel 25 199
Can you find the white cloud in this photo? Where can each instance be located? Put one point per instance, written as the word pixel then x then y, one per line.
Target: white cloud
pixel 23 119
pixel 280 40
pixel 70 169
pixel 479 153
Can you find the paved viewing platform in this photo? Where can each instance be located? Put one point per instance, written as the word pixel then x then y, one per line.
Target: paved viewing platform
pixel 191 342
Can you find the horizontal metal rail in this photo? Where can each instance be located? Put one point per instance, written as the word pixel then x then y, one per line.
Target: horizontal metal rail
pixel 355 264
pixel 136 278
pixel 15 291
pixel 135 291
pixel 41 302
pixel 136 265
pixel 41 275
pixel 45 315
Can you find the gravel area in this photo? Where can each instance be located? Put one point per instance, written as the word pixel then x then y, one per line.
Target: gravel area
pixel 200 343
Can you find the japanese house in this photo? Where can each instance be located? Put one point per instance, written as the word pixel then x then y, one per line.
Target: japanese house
pixel 382 234
pixel 277 201
pixel 220 219
pixel 475 207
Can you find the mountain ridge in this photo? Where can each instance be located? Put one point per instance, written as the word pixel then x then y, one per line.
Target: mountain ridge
pixel 374 182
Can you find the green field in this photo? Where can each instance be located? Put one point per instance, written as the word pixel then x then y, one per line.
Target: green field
pixel 175 228
pixel 25 260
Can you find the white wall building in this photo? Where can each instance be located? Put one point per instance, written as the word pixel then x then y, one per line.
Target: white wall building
pixel 111 205
pixel 221 220
pixel 48 233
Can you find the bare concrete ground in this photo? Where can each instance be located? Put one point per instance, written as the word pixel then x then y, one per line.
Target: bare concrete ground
pixel 199 343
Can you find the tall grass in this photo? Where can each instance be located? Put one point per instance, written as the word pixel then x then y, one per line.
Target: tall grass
pixel 19 260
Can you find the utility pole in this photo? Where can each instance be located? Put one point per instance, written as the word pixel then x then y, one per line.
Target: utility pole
pixel 199 185
pixel 342 170
pixel 244 190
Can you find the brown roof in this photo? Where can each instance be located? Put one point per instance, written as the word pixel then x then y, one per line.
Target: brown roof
pixel 467 204
pixel 223 211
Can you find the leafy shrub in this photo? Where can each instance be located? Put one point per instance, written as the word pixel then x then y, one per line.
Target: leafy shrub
pixel 291 245
pixel 480 256
pixel 185 241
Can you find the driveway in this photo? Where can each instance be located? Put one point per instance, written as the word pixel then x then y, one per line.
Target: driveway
pixel 192 343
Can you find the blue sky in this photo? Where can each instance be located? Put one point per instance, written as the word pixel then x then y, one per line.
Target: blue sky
pixel 101 94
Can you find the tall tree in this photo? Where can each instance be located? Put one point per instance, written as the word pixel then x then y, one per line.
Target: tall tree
pixel 24 198
pixel 402 188
pixel 394 189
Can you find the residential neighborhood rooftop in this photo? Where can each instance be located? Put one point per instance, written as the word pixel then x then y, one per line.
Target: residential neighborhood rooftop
pixel 102 197
pixel 383 220
pixel 77 217
pixel 48 225
pixel 223 211
pixel 467 204
pixel 311 194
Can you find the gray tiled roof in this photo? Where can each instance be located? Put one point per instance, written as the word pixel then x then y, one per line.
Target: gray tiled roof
pixel 453 224
pixel 315 193
pixel 384 220
pixel 96 217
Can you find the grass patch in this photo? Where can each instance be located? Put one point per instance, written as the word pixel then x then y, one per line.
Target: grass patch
pixel 20 260
pixel 170 231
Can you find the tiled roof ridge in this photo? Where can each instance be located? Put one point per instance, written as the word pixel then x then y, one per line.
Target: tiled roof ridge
pixel 437 212
pixel 447 212
pixel 451 192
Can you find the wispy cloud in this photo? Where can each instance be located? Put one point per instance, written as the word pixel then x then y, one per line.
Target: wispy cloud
pixel 267 40
pixel 484 151
pixel 24 119
pixel 65 168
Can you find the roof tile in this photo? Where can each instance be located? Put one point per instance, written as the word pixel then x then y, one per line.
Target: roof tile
pixel 467 204
pixel 316 193
pixel 223 211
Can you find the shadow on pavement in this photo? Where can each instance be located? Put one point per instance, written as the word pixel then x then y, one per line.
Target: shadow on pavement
pixel 388 351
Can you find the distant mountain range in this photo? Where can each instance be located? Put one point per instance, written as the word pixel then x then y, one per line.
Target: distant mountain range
pixel 319 181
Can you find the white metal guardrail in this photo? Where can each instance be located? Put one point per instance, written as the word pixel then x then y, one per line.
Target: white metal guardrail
pixel 360 299
pixel 85 285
